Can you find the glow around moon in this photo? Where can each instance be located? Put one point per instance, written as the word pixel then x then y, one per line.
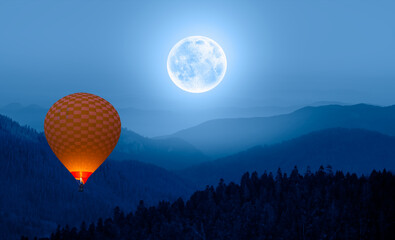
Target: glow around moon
pixel 196 64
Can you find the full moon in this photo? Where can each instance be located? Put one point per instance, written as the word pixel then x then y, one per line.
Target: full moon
pixel 196 64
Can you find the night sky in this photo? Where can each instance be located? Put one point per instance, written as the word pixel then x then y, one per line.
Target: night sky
pixel 279 53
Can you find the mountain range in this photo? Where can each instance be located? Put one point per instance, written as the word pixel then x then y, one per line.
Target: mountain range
pixel 154 122
pixel 149 122
pixel 39 193
pixel 170 153
pixel 222 137
pixel 350 150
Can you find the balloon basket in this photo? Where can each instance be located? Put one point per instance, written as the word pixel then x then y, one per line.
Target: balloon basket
pixel 81 187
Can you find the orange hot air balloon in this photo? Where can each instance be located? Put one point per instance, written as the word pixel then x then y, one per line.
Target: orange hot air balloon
pixel 82 129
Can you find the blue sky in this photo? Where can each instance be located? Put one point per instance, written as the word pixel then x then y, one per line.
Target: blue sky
pixel 278 52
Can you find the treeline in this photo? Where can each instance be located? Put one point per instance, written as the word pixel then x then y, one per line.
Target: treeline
pixel 320 205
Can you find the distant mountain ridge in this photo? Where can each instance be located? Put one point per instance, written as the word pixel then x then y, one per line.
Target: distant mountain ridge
pixel 38 192
pixel 172 153
pixel 154 123
pixel 221 137
pixel 149 122
pixel 353 150
pixel 31 115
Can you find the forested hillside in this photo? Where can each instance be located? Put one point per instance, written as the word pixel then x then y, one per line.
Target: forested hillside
pixel 352 150
pixel 313 206
pixel 37 192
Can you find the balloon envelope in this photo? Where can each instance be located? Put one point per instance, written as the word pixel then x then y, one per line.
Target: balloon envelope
pixel 82 129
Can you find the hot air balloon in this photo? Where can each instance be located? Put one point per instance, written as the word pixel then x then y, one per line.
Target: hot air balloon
pixel 82 129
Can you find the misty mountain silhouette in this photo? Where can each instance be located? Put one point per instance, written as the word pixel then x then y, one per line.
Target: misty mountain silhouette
pixel 31 115
pixel 353 150
pixel 218 138
pixel 153 123
pixel 171 153
pixel 146 122
pixel 37 192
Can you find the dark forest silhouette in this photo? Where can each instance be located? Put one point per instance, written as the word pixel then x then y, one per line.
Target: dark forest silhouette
pixel 320 205
pixel 38 193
